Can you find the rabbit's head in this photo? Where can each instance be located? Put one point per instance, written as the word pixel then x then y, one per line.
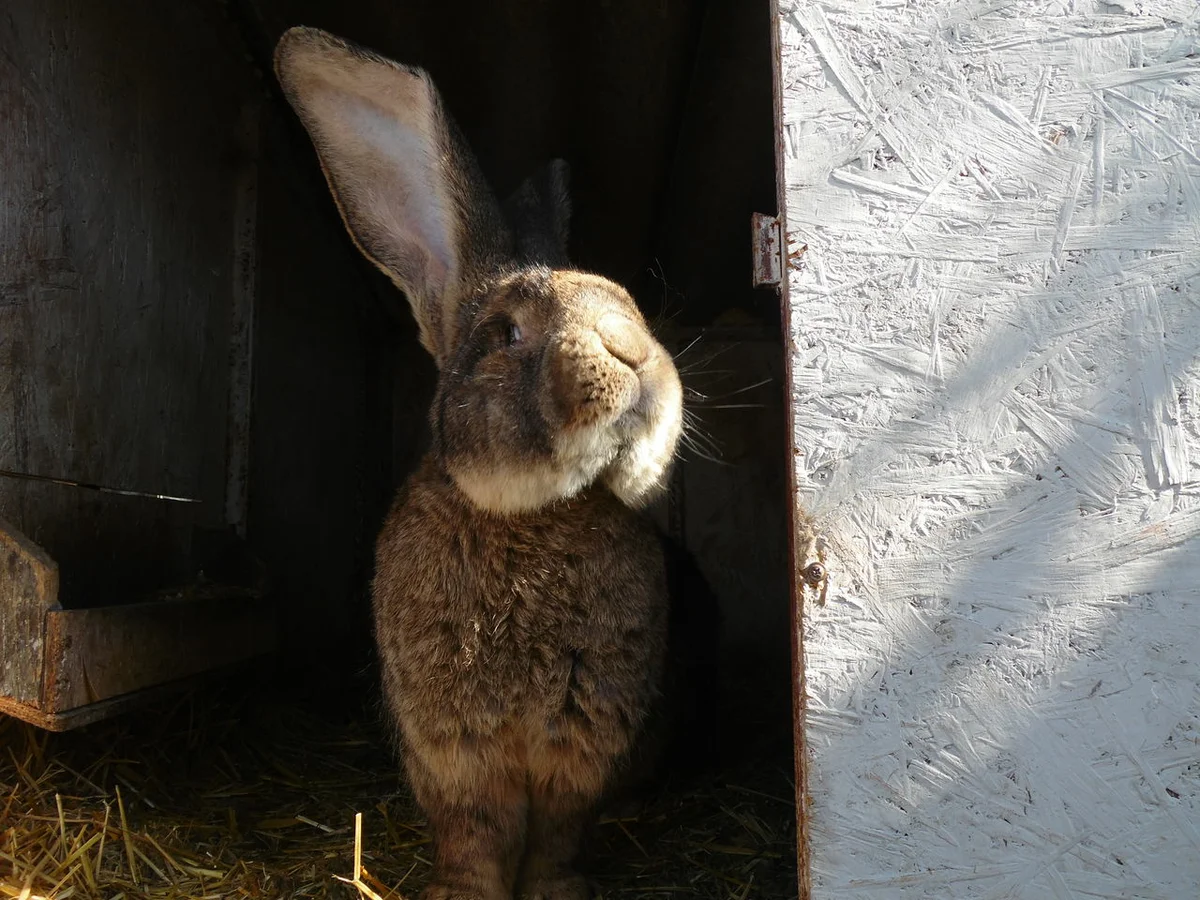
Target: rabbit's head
pixel 549 378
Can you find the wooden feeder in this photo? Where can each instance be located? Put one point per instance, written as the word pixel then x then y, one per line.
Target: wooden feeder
pixel 63 668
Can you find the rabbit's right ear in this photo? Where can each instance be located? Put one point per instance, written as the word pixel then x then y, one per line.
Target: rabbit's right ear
pixel 408 189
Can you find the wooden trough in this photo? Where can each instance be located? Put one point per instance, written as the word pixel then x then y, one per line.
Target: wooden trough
pixel 63 668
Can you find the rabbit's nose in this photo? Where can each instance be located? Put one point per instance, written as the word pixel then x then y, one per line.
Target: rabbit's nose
pixel 624 339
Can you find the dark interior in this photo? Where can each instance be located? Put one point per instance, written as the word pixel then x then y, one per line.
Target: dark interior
pixel 664 113
pixel 115 264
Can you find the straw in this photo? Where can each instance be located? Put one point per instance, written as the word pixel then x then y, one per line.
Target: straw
pixel 251 799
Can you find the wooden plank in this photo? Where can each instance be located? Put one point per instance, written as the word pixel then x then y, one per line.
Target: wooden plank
pixel 28 589
pixel 241 339
pixel 106 709
pixel 117 547
pixel 320 437
pixel 95 655
pixel 118 144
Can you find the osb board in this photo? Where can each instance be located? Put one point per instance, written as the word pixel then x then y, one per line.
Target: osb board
pixel 993 216
pixel 119 146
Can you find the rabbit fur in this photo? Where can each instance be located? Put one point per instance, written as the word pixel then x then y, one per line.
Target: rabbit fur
pixel 520 600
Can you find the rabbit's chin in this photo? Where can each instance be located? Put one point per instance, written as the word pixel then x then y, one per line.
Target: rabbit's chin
pixel 646 448
pixel 630 458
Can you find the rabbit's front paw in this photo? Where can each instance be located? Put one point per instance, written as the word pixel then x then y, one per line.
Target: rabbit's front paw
pixel 569 887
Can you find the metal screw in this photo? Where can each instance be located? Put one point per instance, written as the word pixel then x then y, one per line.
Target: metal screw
pixel 814 574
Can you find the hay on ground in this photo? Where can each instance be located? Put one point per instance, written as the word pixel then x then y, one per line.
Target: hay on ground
pixel 207 798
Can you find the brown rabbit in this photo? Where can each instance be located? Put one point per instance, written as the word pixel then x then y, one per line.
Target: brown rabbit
pixel 520 602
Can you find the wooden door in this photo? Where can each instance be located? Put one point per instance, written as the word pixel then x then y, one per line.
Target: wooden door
pixel 993 293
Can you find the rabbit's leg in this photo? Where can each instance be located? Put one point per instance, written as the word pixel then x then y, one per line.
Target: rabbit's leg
pixel 564 788
pixel 477 812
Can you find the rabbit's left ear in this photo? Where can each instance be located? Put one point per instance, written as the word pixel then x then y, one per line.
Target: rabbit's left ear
pixel 407 187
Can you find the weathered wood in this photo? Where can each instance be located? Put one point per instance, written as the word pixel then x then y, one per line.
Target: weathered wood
pixel 93 655
pixel 104 538
pixel 28 589
pixel 62 668
pixel 106 709
pixel 241 321
pixel 118 146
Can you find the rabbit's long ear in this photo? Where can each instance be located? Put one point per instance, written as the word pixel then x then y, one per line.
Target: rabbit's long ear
pixel 407 187
pixel 539 212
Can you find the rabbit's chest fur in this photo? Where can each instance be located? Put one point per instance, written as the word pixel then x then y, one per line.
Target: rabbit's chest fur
pixel 547 624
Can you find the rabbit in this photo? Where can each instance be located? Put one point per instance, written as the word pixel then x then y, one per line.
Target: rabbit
pixel 520 598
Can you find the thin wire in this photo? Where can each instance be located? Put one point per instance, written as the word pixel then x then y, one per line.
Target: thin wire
pixel 46 479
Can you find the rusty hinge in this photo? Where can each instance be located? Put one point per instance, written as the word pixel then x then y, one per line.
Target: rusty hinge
pixel 767 245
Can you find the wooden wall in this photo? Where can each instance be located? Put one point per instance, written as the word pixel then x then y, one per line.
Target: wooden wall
pixel 128 132
pixel 118 153
pixel 663 110
pixel 321 441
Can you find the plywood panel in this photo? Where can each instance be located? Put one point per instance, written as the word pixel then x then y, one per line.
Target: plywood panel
pixel 992 213
pixel 118 143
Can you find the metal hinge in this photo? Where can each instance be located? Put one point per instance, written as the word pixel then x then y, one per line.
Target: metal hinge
pixel 767 244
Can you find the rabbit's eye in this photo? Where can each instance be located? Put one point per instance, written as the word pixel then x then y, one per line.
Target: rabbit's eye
pixel 502 333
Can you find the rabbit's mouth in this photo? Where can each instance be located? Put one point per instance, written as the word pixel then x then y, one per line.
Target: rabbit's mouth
pixel 623 411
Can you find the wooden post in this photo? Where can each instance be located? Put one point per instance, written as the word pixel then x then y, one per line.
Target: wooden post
pixel 28 590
